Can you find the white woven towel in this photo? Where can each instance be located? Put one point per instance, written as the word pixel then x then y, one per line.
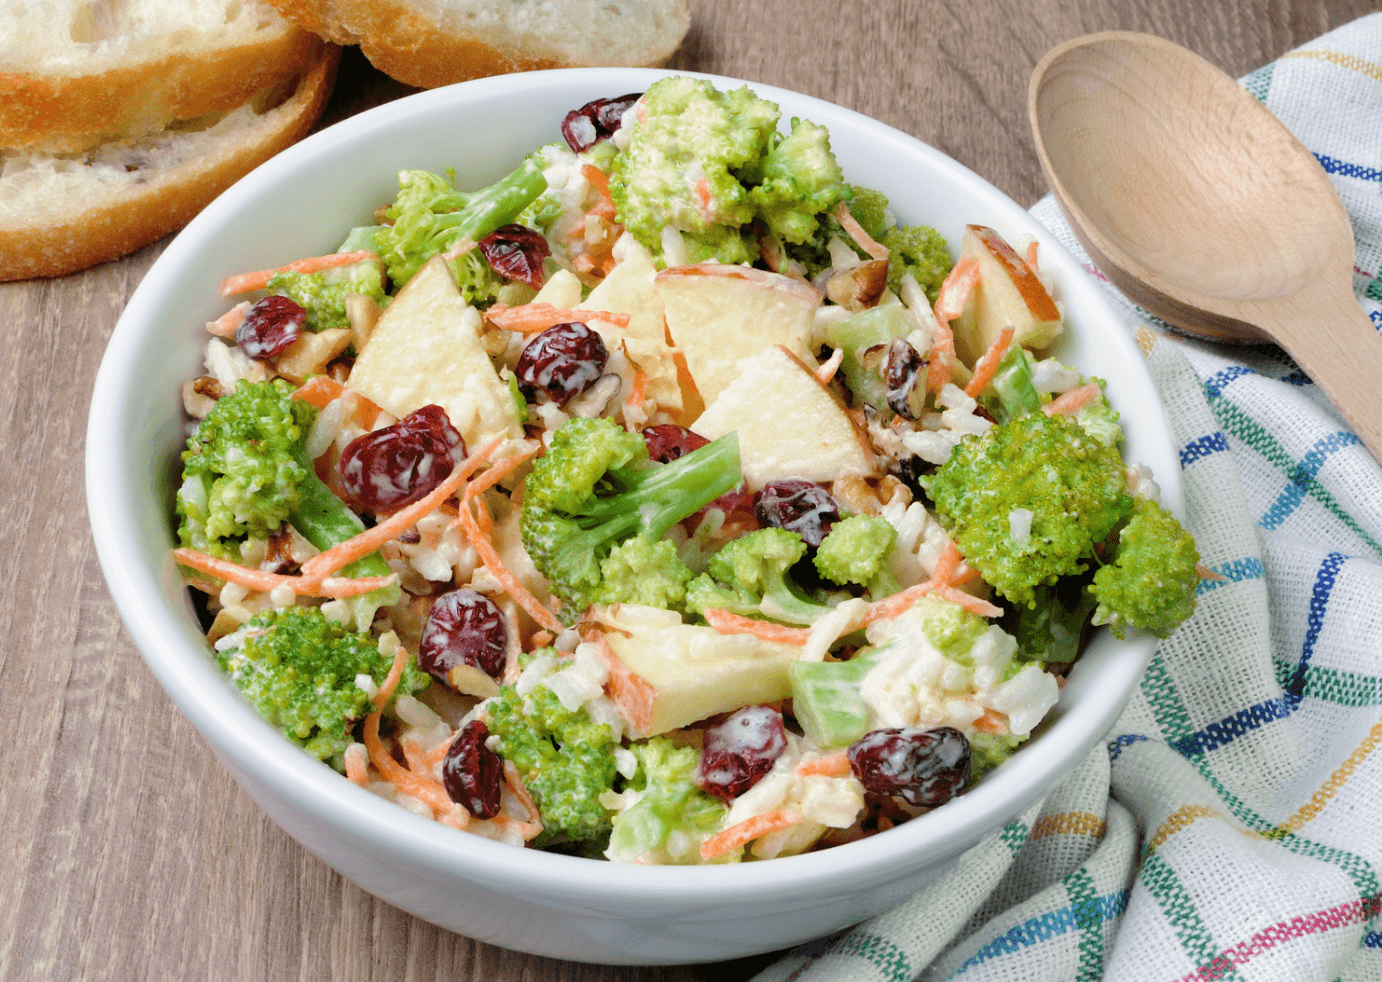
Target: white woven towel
pixel 1232 826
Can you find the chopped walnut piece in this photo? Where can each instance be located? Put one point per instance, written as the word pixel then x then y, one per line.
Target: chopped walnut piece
pixel 858 287
pixel 200 394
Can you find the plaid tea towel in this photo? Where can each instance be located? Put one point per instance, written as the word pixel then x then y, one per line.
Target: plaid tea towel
pixel 1231 828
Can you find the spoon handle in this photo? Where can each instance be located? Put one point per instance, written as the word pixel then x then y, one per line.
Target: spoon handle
pixel 1336 344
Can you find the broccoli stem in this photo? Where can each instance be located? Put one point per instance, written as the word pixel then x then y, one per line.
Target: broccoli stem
pixel 489 208
pixel 655 499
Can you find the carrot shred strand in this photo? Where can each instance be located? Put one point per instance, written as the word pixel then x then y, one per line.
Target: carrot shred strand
pixel 987 366
pixel 746 831
pixel 727 622
pixel 259 279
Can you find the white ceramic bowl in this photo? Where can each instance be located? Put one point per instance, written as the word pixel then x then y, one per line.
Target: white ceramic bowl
pixel 301 203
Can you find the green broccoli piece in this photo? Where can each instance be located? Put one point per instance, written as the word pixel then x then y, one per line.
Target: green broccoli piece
pixel 1072 484
pixel 921 251
pixel 596 488
pixel 988 750
pixel 749 576
pixel 855 549
pixel 870 209
pixel 951 630
pixel 246 472
pixel 668 816
pixel 799 181
pixel 565 759
pixel 1012 391
pixel 644 571
pixel 1100 421
pixel 479 285
pixel 1051 629
pixel 687 127
pixel 299 671
pixel 429 215
pixel 1151 582
pixel 322 295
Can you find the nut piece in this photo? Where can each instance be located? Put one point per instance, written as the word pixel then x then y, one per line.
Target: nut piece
pixel 858 287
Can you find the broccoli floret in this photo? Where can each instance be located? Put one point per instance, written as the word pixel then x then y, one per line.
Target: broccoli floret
pixel 596 487
pixel 430 215
pixel 921 251
pixel 646 572
pixel 952 630
pixel 299 671
pixel 663 816
pixel 800 179
pixel 988 750
pixel 322 295
pixel 870 209
pixel 855 548
pixel 565 759
pixel 1050 631
pixel 479 285
pixel 1072 484
pixel 1151 581
pixel 749 576
pixel 1101 422
pixel 246 472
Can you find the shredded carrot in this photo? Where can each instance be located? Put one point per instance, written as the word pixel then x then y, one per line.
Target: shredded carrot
pixel 827 371
pixel 245 282
pixel 514 782
pixel 543 639
pixel 942 365
pixel 1074 400
pixel 947 563
pixel 484 548
pixel 225 325
pixel 357 764
pixel 466 244
pixel 727 622
pixel 831 765
pixel 400 662
pixel 992 722
pixel 856 232
pixel 987 366
pixel 597 179
pixel 427 791
pixel 530 318
pixel 956 289
pixel 258 579
pixel 319 390
pixel 890 607
pixel 638 391
pixel 457 818
pixel 702 190
pixel 438 753
pixel 632 693
pixel 342 555
pixel 968 601
pixel 748 830
pixel 1032 255
pixel 415 756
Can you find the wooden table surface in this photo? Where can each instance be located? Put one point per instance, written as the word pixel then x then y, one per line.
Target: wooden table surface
pixel 126 852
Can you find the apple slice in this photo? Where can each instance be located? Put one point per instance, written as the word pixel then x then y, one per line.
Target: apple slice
pixel 790 424
pixel 426 350
pixel 719 314
pixel 665 674
pixel 1009 294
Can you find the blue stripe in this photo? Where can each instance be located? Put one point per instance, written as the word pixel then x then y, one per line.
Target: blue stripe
pixel 1214 385
pixel 1304 475
pixel 1345 169
pixel 1216 735
pixel 1373 939
pixel 1319 604
pixel 1296 378
pixel 1233 571
pixel 1115 746
pixel 1050 925
pixel 1203 447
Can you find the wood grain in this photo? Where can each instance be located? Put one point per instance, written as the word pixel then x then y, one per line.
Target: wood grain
pixel 126 852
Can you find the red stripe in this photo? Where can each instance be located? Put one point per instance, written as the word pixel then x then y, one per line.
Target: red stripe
pixel 1354 912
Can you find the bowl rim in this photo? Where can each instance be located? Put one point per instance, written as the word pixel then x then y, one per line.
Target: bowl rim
pixel 385 829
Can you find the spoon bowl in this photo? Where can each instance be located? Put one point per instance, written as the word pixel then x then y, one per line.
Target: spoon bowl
pixel 1200 206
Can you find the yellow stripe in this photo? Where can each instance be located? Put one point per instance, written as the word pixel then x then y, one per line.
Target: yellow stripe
pixel 1177 820
pixel 1069 823
pixel 1350 62
pixel 1336 781
pixel 1146 341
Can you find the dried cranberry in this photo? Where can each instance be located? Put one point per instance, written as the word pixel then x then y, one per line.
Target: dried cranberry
pixel 925 767
pixel 399 464
pixel 738 752
pixel 270 326
pixel 463 628
pixel 472 773
pixel 517 252
pixel 563 361
pixel 798 506
pixel 596 120
pixel 668 442
pixel 902 373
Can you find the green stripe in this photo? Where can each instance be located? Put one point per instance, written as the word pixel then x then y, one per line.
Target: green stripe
pixel 1084 902
pixel 1173 719
pixel 1244 427
pixel 1160 692
pixel 1015 833
pixel 1374 290
pixel 1259 82
pixel 1333 685
pixel 888 958
pixel 1163 884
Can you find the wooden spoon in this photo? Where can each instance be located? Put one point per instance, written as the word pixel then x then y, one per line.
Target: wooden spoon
pixel 1199 205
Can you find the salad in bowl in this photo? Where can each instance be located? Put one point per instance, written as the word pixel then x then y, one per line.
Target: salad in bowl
pixel 667 501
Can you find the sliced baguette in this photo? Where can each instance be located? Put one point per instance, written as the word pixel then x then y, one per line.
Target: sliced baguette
pixel 429 43
pixel 75 74
pixel 59 214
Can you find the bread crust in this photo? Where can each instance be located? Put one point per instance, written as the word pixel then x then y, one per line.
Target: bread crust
pixel 59 113
pixel 410 46
pixel 119 224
